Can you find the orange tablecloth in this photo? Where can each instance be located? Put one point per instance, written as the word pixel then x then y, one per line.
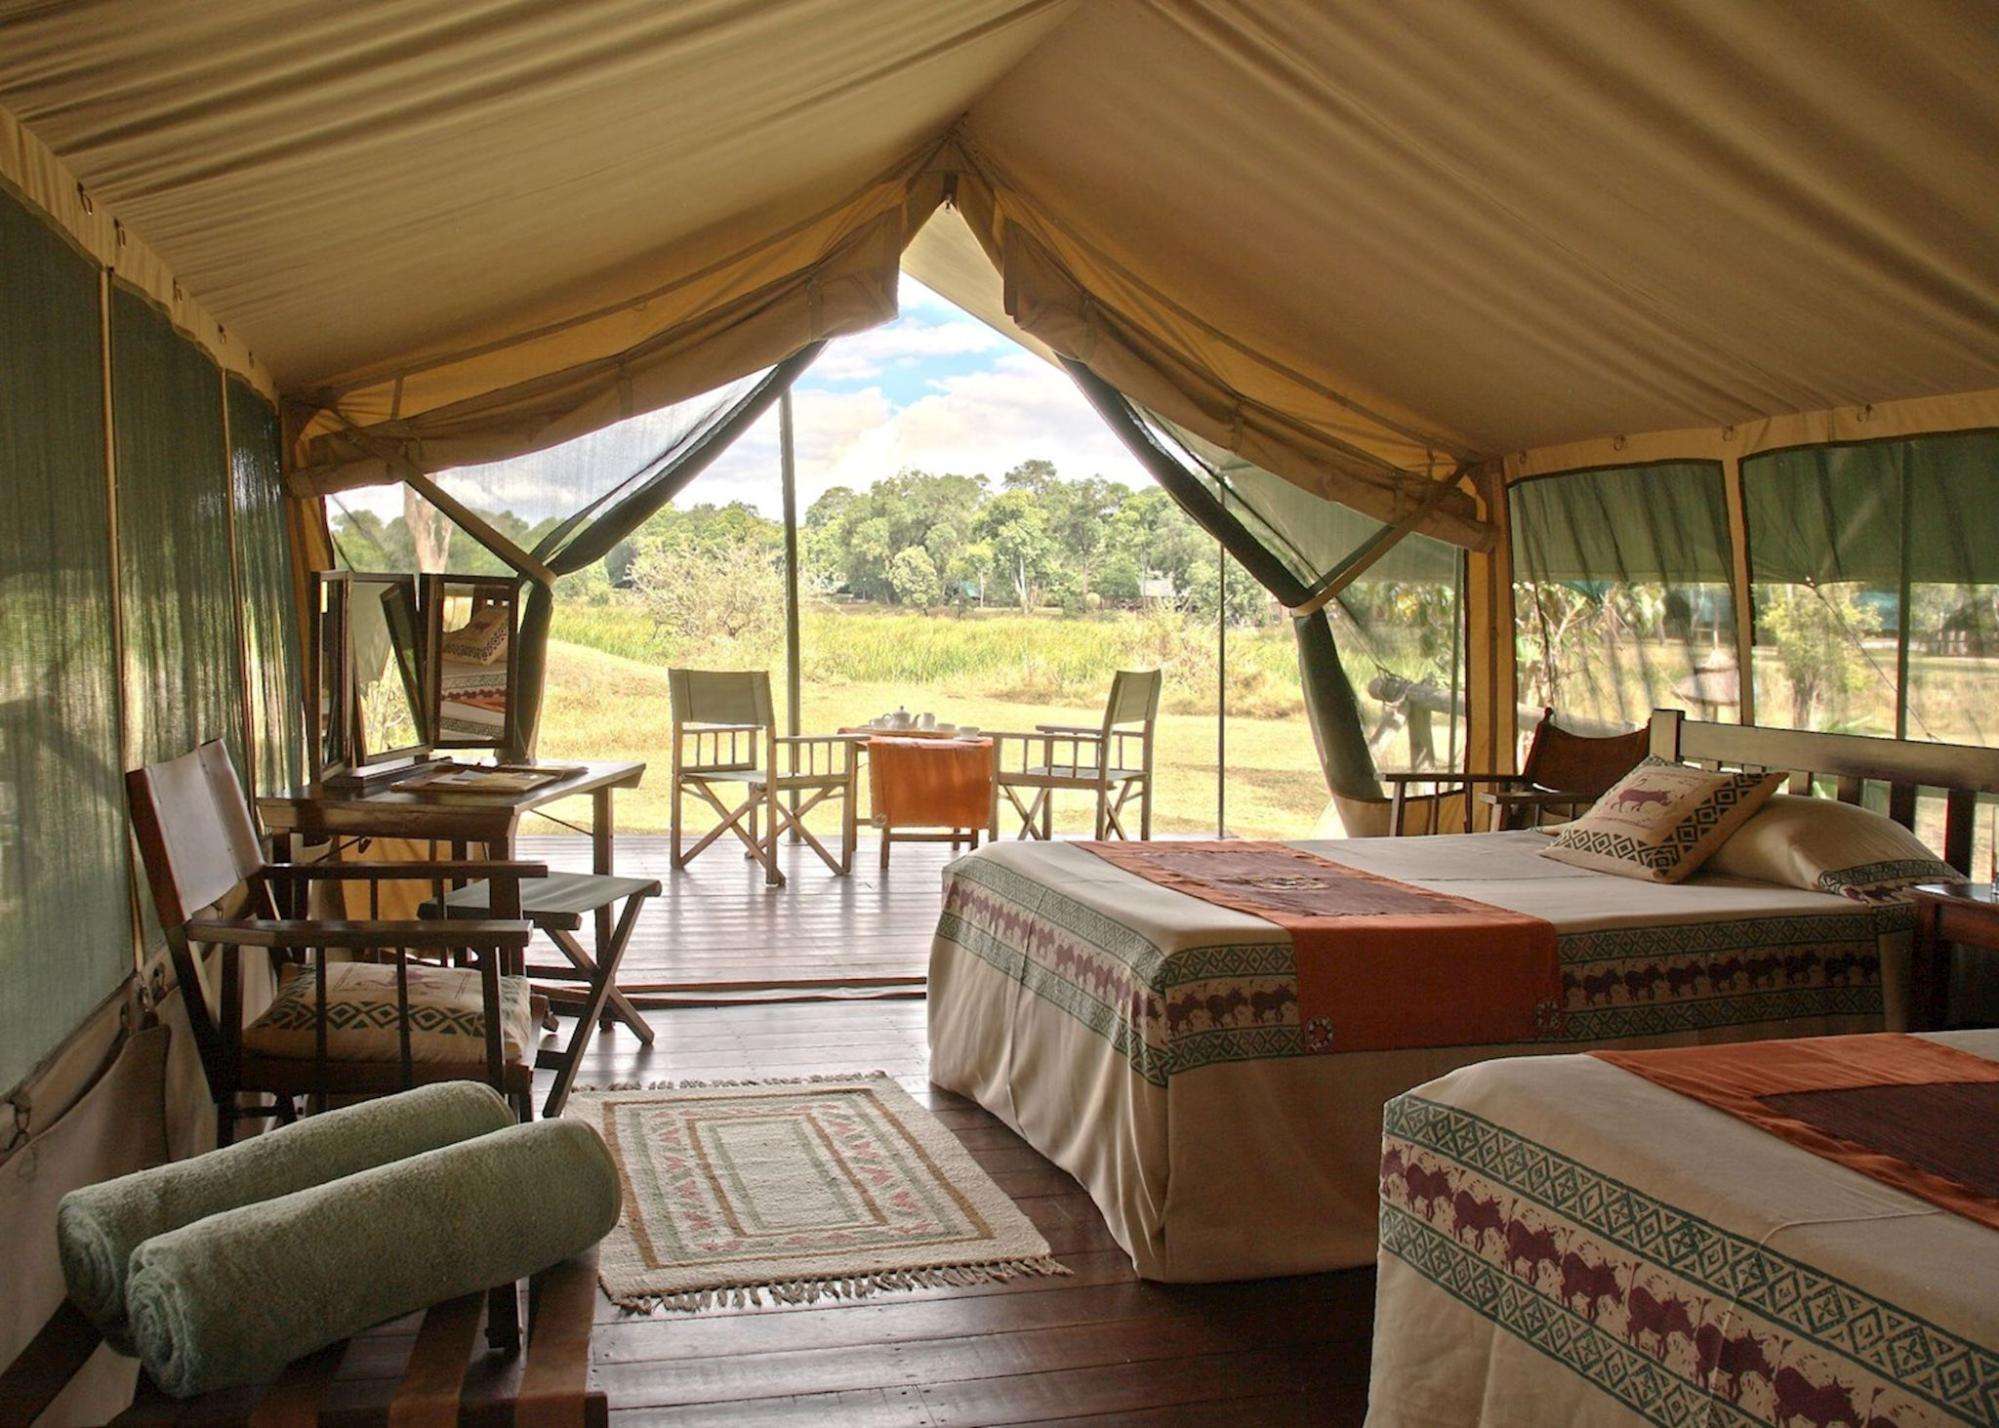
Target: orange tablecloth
pixel 931 783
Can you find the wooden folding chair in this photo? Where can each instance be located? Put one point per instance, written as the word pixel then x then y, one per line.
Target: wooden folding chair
pixel 336 1028
pixel 1562 774
pixel 556 905
pixel 1113 762
pixel 725 737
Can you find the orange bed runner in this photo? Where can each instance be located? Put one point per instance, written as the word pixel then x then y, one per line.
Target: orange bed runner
pixel 1915 1114
pixel 1381 964
pixel 932 783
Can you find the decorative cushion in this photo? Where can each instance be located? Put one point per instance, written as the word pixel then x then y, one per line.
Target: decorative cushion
pixel 447 1015
pixel 1661 821
pixel 482 639
pixel 1824 846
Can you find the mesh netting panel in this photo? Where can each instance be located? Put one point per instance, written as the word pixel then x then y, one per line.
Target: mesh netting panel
pixel 1621 595
pixel 1875 573
pixel 65 927
pixel 1399 623
pixel 264 562
pixel 182 685
pixel 546 497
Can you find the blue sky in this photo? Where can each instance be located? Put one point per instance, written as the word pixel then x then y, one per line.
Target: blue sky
pixel 935 389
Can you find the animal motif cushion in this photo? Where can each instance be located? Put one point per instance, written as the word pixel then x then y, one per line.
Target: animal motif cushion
pixel 1661 821
pixel 447 1015
pixel 1824 846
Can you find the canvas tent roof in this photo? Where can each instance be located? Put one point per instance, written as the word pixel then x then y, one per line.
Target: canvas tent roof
pixel 1358 244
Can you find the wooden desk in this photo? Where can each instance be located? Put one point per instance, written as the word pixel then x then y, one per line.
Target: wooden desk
pixel 1962 914
pixel 448 815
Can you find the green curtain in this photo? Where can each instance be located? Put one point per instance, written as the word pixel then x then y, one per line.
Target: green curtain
pixel 264 565
pixel 1276 559
pixel 1622 593
pixel 65 926
pixel 183 683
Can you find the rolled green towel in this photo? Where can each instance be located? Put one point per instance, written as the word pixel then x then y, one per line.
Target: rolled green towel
pixel 232 1299
pixel 98 1226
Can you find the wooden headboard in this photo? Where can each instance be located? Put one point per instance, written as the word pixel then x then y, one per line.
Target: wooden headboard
pixel 1850 761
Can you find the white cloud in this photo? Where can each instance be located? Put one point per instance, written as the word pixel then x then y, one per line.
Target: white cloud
pixel 903 343
pixel 987 421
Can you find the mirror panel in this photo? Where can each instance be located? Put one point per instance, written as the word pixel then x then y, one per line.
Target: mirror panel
pixel 473 627
pixel 385 644
pixel 326 673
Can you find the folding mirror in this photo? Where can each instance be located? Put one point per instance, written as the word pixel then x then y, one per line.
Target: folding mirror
pixel 385 646
pixel 472 621
pixel 326 674
pixel 367 680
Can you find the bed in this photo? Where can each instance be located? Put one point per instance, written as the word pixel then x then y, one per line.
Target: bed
pixel 1609 1251
pixel 1150 1043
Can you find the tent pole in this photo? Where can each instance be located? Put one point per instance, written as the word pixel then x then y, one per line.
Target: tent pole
pixel 788 472
pixel 1221 690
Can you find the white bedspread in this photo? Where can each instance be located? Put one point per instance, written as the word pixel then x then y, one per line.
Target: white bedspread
pixel 1147 1041
pixel 1706 1272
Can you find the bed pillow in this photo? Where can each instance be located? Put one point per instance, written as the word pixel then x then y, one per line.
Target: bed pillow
pixel 1823 846
pixel 1662 820
pixel 483 640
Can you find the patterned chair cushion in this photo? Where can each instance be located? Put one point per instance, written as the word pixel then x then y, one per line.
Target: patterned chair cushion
pixel 1661 821
pixel 1824 846
pixel 447 1016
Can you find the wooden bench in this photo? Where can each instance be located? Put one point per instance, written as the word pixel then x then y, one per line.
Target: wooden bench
pixel 423 1369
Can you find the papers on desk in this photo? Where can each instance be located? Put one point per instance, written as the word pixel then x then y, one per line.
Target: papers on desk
pixel 495 778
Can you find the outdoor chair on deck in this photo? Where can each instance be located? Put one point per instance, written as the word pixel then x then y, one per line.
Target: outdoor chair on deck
pixel 725 738
pixel 1562 775
pixel 1114 762
pixel 335 1028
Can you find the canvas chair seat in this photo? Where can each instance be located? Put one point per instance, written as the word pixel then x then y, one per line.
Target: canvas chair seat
pixel 447 1017
pixel 1070 773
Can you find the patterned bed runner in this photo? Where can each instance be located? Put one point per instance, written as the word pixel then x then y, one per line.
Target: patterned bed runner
pixel 1381 964
pixel 1915 1114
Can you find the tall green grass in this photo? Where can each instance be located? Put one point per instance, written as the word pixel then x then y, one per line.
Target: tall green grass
pixel 1002 654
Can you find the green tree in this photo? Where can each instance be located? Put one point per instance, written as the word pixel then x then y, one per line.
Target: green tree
pixel 1817 630
pixel 1014 526
pixel 699 593
pixel 913 575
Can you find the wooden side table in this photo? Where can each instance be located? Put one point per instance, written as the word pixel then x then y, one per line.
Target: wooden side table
pixel 1960 915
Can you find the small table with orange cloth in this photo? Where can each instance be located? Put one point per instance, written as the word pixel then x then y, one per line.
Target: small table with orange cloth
pixel 931 789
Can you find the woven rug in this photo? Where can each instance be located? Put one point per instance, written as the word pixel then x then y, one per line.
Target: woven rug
pixel 838 1186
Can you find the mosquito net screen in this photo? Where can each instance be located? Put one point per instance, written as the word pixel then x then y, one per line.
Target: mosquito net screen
pixel 1622 595
pixel 1875 573
pixel 176 584
pixel 65 933
pixel 264 566
pixel 1399 624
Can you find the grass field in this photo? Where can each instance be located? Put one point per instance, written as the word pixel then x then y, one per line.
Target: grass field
pixel 607 698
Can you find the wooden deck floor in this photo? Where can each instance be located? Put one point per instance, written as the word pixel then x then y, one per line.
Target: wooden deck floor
pixel 716 920
pixel 1099 1346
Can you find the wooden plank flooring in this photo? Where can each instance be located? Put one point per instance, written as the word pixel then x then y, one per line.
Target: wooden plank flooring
pixel 718 921
pixel 1099 1346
